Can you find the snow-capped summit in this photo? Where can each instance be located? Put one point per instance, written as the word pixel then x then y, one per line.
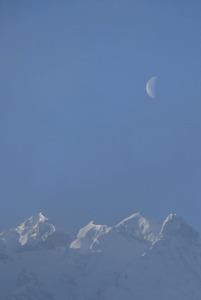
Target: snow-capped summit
pixel 136 226
pixel 88 236
pixel 175 226
pixel 36 228
pixel 37 232
pixel 31 222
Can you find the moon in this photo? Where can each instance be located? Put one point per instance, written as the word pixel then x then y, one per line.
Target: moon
pixel 151 87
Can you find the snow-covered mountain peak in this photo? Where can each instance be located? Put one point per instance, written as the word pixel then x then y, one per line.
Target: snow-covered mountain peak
pixel 175 226
pixel 38 232
pixel 41 217
pixel 88 236
pixel 31 222
pixel 138 227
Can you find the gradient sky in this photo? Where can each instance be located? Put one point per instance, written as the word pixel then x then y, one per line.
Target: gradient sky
pixel 80 139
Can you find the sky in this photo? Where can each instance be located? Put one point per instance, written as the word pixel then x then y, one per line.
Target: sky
pixel 80 139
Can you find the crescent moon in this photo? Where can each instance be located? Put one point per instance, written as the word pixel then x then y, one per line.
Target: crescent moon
pixel 151 87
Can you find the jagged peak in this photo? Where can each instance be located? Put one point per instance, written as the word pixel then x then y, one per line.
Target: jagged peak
pixel 35 227
pixel 138 226
pixel 176 226
pixel 31 222
pixel 41 217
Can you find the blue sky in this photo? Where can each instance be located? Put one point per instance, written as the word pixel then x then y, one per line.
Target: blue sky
pixel 80 137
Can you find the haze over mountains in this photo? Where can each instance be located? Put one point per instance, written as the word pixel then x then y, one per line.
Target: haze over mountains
pixel 135 259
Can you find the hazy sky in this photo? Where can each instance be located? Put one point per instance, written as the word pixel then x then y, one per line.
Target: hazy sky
pixel 80 139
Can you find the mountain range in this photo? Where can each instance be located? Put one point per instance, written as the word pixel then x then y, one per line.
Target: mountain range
pixel 136 259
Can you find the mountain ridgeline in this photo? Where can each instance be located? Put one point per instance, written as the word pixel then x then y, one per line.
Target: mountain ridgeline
pixel 135 259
